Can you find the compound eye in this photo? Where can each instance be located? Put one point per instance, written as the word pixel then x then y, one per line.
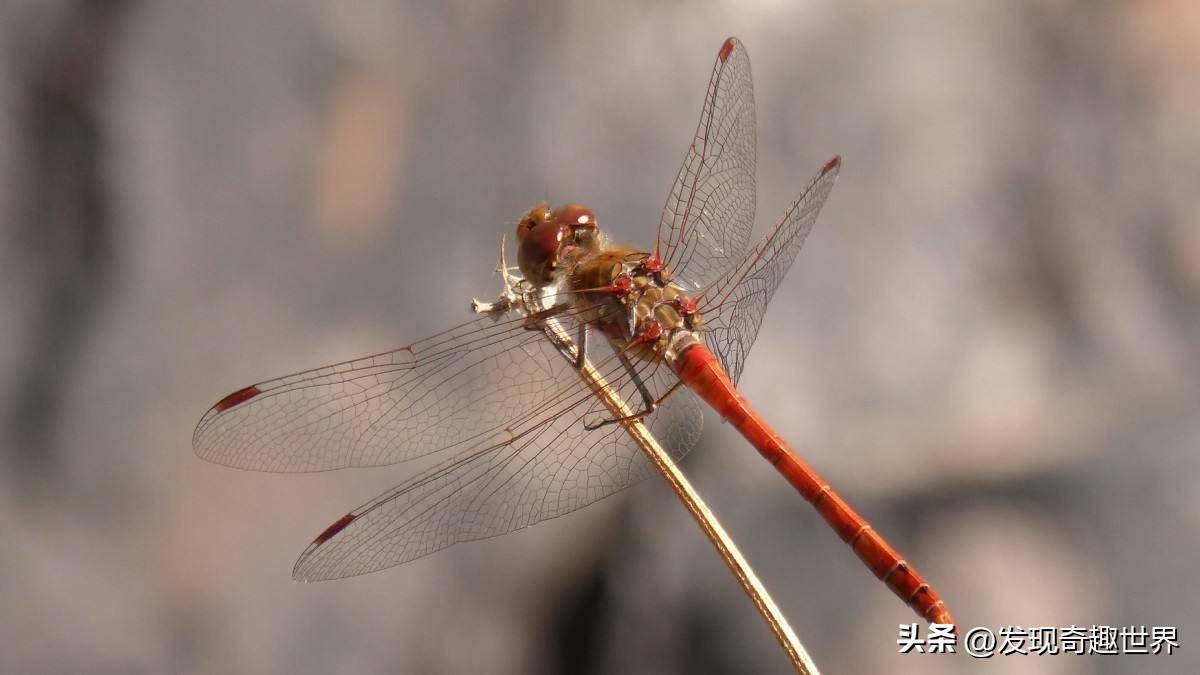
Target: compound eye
pixel 575 216
pixel 537 254
pixel 523 228
pixel 536 216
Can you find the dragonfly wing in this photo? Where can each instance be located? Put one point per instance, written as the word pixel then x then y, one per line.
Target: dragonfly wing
pixel 709 213
pixel 456 388
pixel 550 467
pixel 733 305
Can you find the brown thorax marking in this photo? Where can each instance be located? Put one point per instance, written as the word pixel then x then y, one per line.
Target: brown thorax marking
pixel 652 307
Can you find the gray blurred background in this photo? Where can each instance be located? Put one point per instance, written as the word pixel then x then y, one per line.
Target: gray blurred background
pixel 990 344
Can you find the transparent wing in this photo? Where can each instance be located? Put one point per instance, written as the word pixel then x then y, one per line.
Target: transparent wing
pixel 733 305
pixel 446 390
pixel 709 213
pixel 508 414
pixel 508 481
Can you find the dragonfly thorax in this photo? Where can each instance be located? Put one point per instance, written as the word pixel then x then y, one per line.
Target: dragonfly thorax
pixel 632 300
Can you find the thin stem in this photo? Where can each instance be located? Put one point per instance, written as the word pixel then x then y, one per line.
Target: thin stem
pixel 712 528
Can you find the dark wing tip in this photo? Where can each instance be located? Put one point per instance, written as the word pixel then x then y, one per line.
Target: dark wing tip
pixel 301 572
pixel 727 48
pixel 236 398
pixel 834 164
pixel 333 529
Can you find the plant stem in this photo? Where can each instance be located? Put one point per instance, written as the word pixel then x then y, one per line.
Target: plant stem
pixel 712 528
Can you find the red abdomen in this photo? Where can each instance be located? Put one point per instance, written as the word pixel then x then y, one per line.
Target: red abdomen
pixel 700 370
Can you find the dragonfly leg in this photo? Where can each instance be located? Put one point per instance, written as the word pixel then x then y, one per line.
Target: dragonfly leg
pixel 649 401
pixel 576 357
pixel 581 348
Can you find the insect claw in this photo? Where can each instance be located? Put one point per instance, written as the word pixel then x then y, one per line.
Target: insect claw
pixel 590 426
pixel 617 420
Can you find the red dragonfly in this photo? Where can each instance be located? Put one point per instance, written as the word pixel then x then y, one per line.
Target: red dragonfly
pixel 521 436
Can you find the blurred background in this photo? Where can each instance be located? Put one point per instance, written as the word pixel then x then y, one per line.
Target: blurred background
pixel 990 345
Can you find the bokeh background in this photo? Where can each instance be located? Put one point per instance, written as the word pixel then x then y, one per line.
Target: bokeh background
pixel 990 344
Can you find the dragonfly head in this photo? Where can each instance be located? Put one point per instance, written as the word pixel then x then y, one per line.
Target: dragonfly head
pixel 546 237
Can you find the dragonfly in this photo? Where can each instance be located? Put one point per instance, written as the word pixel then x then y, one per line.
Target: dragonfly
pixel 512 433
